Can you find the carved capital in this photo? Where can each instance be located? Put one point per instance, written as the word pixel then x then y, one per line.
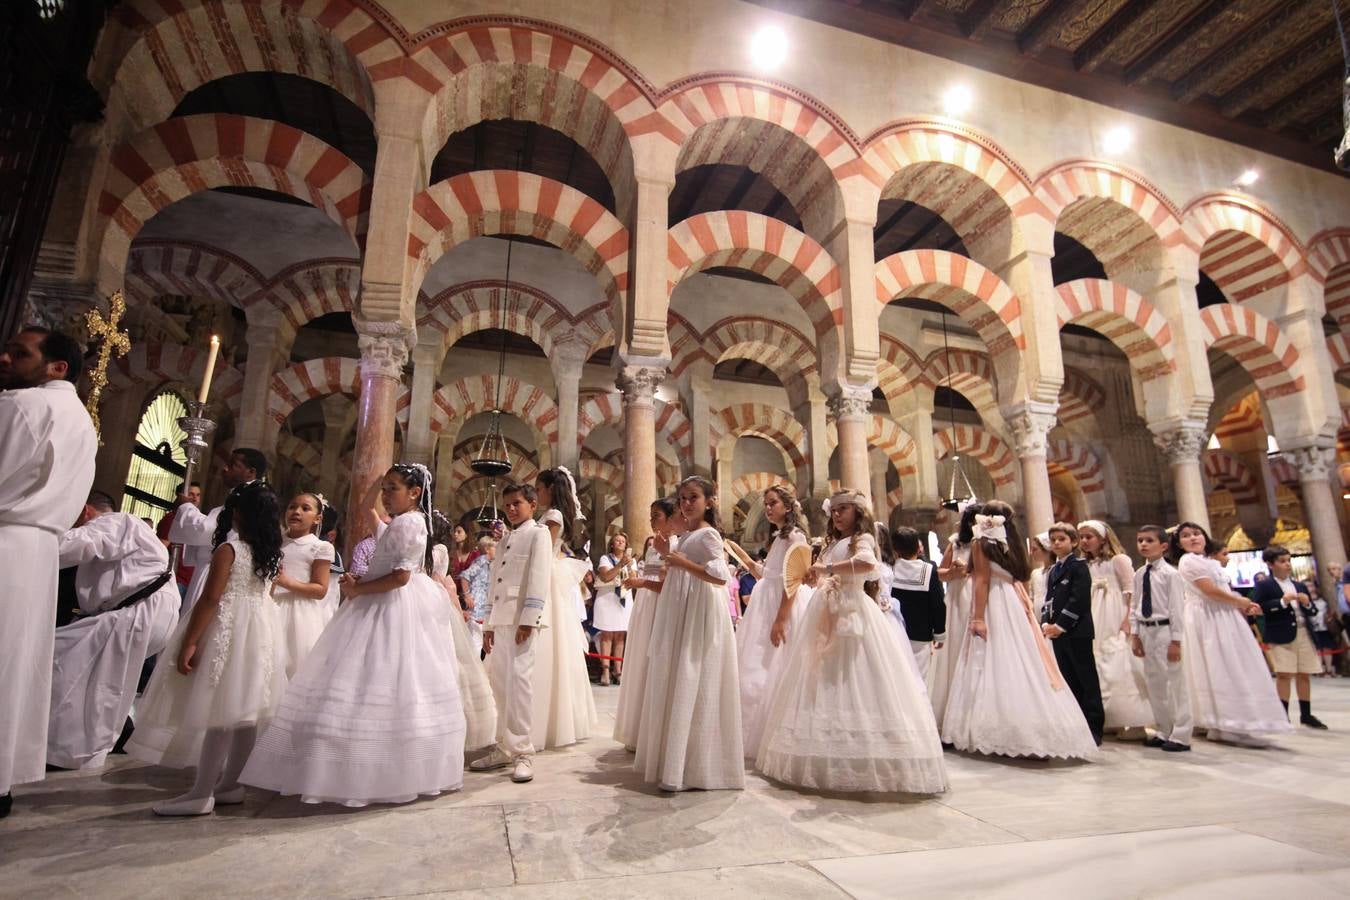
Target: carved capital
pixel 1030 424
pixel 850 403
pixel 384 347
pixel 639 384
pixel 1182 443
pixel 1314 464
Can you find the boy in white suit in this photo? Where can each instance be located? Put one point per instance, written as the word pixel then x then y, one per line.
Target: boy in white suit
pixel 517 608
pixel 1156 622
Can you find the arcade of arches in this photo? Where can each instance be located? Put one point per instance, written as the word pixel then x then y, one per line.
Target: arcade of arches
pixel 812 276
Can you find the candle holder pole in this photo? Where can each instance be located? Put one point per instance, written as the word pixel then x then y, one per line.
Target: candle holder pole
pixel 198 427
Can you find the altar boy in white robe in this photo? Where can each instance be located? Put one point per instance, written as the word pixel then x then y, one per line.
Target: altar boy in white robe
pixel 196 530
pixel 518 592
pixel 47 448
pixel 129 607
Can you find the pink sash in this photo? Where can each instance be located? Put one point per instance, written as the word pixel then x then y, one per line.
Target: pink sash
pixel 1042 644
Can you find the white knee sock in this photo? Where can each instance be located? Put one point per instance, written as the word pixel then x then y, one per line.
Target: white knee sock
pixel 215 750
pixel 241 745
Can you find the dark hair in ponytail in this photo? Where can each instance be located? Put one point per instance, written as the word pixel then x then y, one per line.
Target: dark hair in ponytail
pixel 709 490
pixel 416 475
pixel 254 512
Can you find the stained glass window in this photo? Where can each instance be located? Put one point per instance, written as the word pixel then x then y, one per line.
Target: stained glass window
pixel 157 460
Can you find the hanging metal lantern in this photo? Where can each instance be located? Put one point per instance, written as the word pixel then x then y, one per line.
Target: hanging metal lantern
pixel 960 493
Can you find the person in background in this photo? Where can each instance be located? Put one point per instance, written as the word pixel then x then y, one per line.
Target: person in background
pixel 746 581
pixel 1289 613
pixel 1322 635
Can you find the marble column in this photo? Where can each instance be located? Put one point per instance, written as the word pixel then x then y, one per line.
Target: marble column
pixel 384 350
pixel 1030 423
pixel 269 339
pixel 568 361
pixel 337 413
pixel 638 384
pixel 1316 467
pixel 814 418
pixel 426 358
pixel 850 409
pixel 1182 445
pixel 696 394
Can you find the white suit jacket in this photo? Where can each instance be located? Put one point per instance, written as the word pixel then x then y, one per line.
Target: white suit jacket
pixel 521 579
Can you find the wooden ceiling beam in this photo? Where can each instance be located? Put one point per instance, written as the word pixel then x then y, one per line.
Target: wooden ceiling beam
pixel 980 17
pixel 1308 99
pixel 1219 64
pixel 1140 69
pixel 894 220
pixel 1327 129
pixel 1250 92
pixel 738 191
pixel 922 233
pixel 1043 29
pixel 1094 51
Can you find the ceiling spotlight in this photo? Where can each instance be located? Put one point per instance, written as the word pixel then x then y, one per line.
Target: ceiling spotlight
pixel 769 47
pixel 1247 178
pixel 1118 139
pixel 957 100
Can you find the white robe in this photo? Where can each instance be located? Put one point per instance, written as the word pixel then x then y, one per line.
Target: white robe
pixel 195 530
pixel 47 448
pixel 98 657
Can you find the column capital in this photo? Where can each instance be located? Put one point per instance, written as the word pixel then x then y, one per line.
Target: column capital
pixel 1180 442
pixel 638 384
pixel 570 352
pixel 850 403
pixel 1314 464
pixel 1031 423
pixel 384 346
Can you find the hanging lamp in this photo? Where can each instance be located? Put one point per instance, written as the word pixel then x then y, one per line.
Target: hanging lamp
pixel 492 458
pixel 953 500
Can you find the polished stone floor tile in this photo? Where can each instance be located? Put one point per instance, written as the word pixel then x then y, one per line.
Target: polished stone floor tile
pixel 781 881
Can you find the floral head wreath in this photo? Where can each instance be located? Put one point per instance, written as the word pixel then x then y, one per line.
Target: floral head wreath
pixel 852 497
pixel 572 483
pixel 991 528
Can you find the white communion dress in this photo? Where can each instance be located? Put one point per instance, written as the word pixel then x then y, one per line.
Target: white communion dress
pixel 374 713
pixel 611 611
pixel 1119 671
pixel 759 660
pixel 1230 687
pixel 690 733
pixel 475 693
pixel 850 712
pixel 628 717
pixel 1007 696
pixel 300 620
pixel 564 710
pixel 238 679
pixel 958 621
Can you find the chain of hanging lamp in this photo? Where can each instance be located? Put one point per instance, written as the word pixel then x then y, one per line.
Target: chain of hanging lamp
pixel 952 500
pixel 1342 156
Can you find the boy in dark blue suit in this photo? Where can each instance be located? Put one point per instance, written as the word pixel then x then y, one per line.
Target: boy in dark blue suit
pixel 1289 613
pixel 1067 622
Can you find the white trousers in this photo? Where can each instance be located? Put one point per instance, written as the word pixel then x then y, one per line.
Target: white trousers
pixel 511 673
pixel 923 657
pixel 1166 686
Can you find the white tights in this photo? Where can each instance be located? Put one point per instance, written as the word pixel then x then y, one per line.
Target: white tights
pixel 224 752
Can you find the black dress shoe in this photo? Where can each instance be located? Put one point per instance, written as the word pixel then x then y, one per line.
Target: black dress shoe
pixel 1154 741
pixel 6 804
pixel 1312 722
pixel 1175 747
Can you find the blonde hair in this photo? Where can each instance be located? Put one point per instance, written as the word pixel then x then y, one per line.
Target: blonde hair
pixel 1110 544
pixel 862 524
pixel 795 518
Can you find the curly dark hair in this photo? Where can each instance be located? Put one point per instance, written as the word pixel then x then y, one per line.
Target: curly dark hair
pixel 1174 551
pixel 253 511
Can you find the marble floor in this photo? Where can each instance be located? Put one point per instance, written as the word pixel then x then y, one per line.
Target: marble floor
pixel 1217 822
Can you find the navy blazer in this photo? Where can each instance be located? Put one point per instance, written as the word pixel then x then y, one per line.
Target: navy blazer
pixel 1068 598
pixel 1281 620
pixel 925 612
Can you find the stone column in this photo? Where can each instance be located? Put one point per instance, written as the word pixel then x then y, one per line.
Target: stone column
pixel 649 294
pixel 850 409
pixel 121 415
pixel 420 441
pixel 1030 424
pixel 269 339
pixel 726 503
pixel 384 353
pixel 918 424
pixel 336 413
pixel 696 393
pixel 1182 443
pixel 813 416
pixel 638 384
pixel 880 502
pixel 598 520
pixel 445 462
pixel 568 361
pixel 1316 466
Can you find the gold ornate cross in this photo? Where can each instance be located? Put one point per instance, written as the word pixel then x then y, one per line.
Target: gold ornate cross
pixel 114 342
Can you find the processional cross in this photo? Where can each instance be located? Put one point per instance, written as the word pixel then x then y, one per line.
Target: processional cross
pixel 114 342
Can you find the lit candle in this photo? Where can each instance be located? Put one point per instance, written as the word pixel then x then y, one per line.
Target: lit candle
pixel 210 367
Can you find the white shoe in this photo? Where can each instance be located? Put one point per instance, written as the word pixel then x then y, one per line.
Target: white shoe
pixel 497 759
pixel 186 806
pixel 232 797
pixel 524 770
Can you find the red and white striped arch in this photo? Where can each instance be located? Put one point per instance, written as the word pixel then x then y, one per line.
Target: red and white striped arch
pixel 1339 348
pixel 895 442
pixel 982 446
pixel 593 468
pixel 1226 471
pixel 766 246
pixel 686 344
pixel 455 403
pixel 157 268
pixel 180 45
pixel 964 286
pixel 898 370
pixel 754 483
pixel 459 209
pixel 468 307
pixel 775 345
pixel 1125 318
pixel 311 289
pixel 606 408
pixel 187 155
pixel 1080 398
pixel 1329 259
pixel 1243 418
pixel 761 420
pixel 1257 344
pixel 310 380
pixel 1244 247
pixel 1081 462
pixel 302 453
pixel 160 364
pixel 970 374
